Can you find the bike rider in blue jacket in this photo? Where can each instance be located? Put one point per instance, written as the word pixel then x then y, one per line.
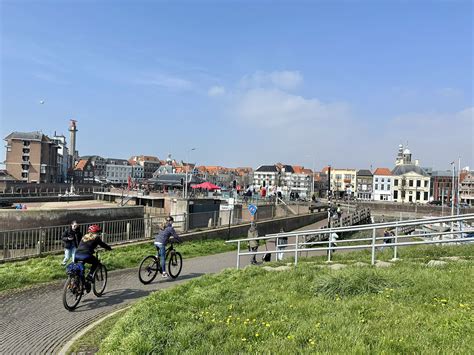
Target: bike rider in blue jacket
pixel 161 240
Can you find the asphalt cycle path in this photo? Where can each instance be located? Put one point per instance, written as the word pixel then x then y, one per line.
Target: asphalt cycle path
pixel 35 321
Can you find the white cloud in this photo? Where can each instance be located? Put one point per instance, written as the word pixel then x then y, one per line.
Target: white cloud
pixel 216 91
pixel 286 80
pixel 276 108
pixel 450 92
pixel 165 81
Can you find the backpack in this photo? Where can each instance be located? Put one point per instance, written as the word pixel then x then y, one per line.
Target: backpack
pixel 75 269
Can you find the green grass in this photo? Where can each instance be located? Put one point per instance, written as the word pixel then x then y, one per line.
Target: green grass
pixel 40 270
pixel 408 308
pixel 90 341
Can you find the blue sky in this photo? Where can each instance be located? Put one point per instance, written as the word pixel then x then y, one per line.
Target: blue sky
pixel 246 83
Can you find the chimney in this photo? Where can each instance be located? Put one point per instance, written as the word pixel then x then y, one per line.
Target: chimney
pixel 72 151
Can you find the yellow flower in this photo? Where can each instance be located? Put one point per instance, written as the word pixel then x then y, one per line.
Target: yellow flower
pixel 257 335
pixel 244 339
pixel 267 324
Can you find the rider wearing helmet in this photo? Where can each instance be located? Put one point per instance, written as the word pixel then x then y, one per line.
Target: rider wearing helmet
pixel 86 248
pixel 162 238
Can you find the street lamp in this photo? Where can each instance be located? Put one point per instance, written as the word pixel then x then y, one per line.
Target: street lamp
pixel 187 165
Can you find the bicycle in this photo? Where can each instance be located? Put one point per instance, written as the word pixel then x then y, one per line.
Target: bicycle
pixel 150 265
pixel 76 283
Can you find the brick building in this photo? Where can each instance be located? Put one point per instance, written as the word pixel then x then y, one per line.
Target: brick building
pixel 31 157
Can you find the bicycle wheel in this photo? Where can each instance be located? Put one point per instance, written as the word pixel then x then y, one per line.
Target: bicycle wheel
pixel 148 269
pixel 175 264
pixel 72 292
pixel 100 280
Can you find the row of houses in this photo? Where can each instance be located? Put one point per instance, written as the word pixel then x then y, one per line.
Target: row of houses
pixel 406 182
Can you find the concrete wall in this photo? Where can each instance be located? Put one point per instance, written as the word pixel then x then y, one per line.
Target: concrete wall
pixel 264 227
pixel 406 209
pixel 23 219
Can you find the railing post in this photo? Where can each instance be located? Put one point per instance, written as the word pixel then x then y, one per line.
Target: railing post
pixel 373 246
pixel 238 255
pixel 395 247
pixel 128 231
pixel 39 247
pixel 296 250
pixel 329 248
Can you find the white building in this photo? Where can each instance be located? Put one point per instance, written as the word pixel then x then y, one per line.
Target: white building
pixel 117 171
pixel 383 185
pixel 266 176
pixel 410 182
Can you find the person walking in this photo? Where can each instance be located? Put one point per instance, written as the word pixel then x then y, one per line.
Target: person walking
pixel 253 244
pixel 71 237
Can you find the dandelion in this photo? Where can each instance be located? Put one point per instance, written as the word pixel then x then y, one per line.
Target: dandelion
pixel 267 324
pixel 244 339
pixel 257 335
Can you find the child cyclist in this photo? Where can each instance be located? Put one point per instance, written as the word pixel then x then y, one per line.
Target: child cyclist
pixel 161 240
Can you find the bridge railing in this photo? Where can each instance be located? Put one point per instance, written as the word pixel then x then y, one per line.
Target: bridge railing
pixel 456 234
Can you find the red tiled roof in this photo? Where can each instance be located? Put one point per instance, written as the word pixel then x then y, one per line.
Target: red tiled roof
pixel 383 171
pixel 81 164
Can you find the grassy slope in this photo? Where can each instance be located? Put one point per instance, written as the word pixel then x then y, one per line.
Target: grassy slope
pixel 404 309
pixel 39 270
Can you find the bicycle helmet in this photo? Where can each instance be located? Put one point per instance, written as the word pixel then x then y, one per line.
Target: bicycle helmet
pixel 94 229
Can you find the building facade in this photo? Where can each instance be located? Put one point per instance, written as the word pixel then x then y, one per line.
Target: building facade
pixel 149 163
pixel 31 157
pixel 83 172
pixel 383 185
pixel 441 186
pixel 266 176
pixel 118 171
pixel 343 182
pixel 64 160
pixel 410 182
pixel 466 189
pixel 364 185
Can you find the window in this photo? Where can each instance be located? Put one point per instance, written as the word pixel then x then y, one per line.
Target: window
pixel 410 183
pixel 410 199
pixel 376 179
pixel 376 186
pixel 403 195
pixel 388 180
pixel 426 183
pixel 24 175
pixel 418 183
pixel 395 182
pixel 425 195
pixel 395 195
pixel 418 195
pixel 381 187
pixel 388 187
pixel 383 180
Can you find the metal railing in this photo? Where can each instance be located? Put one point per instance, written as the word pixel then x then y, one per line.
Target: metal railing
pixel 15 244
pixel 319 236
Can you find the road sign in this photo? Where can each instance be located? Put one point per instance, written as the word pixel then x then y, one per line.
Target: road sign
pixel 252 209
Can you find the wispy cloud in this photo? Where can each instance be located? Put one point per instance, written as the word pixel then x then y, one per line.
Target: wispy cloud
pixel 216 91
pixel 286 80
pixel 165 81
pixel 49 77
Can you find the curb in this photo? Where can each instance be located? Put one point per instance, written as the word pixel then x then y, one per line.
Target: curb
pixel 71 341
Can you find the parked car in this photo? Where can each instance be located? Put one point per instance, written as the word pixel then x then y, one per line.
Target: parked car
pixel 435 203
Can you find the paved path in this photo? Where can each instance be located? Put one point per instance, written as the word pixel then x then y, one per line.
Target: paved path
pixel 35 321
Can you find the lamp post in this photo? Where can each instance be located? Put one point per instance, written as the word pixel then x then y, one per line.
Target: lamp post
pixel 187 165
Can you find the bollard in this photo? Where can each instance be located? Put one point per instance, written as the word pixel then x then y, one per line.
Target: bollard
pixel 238 254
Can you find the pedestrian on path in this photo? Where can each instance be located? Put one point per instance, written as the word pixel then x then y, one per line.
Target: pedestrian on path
pixel 71 237
pixel 282 242
pixel 253 244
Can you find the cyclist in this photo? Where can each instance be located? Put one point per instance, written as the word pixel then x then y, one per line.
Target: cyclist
pixel 86 248
pixel 162 239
